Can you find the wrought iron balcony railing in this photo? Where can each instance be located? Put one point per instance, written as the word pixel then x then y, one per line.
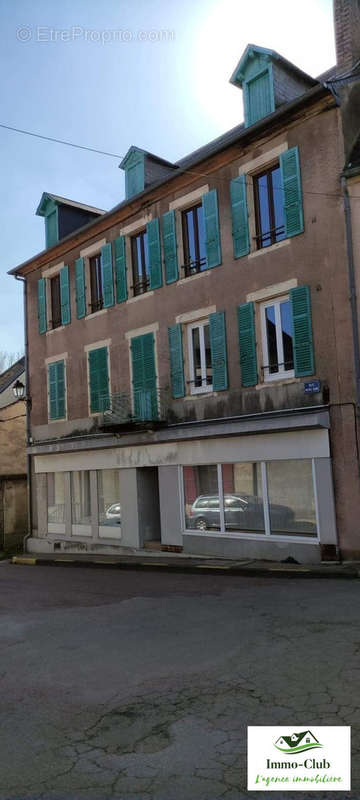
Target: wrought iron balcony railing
pixel 142 406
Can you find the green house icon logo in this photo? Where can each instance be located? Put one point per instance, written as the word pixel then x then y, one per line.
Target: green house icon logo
pixel 297 742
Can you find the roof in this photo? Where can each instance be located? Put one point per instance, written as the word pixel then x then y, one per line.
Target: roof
pixel 11 374
pixel 299 736
pixel 234 136
pixel 134 149
pixel 250 49
pixel 65 202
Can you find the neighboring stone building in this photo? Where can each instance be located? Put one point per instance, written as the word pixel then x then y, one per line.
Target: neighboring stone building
pixel 13 479
pixel 193 353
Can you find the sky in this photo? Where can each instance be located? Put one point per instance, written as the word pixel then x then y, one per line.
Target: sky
pixel 151 73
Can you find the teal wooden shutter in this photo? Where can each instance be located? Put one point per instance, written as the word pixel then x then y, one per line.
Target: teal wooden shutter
pixel 107 275
pixel 80 288
pixel 304 361
pixel 170 248
pixel 51 228
pixel 212 230
pixel 176 361
pixel 259 100
pixel 291 184
pixel 218 351
pixel 65 296
pixel 56 372
pixel 120 269
pixel 247 344
pixel 99 380
pixel 240 222
pixel 144 377
pixel 135 176
pixel 154 250
pixel 42 305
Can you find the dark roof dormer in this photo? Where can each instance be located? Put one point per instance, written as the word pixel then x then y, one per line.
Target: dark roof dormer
pixel 63 216
pixel 142 169
pixel 268 81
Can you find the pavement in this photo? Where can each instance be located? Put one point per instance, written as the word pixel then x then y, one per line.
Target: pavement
pixel 146 559
pixel 139 684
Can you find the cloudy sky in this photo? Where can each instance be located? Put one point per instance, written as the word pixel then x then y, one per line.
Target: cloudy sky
pixel 153 73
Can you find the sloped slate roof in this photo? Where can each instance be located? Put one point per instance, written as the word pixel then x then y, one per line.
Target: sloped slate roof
pixel 66 202
pixel 11 374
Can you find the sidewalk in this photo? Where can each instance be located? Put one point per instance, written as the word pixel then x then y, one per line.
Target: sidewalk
pixel 180 562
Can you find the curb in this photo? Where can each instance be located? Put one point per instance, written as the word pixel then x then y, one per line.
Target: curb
pixel 271 570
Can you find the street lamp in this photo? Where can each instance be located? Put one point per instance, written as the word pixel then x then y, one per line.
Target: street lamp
pixel 19 390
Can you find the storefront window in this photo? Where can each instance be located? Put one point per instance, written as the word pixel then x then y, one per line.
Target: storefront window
pixel 56 497
pixel 202 509
pixel 109 497
pixel 80 498
pixel 243 497
pixel 291 498
pixel 244 504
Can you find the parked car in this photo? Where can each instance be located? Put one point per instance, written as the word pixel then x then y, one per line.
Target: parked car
pixel 113 515
pixel 242 512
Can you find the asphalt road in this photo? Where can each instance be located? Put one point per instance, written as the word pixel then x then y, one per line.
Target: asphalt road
pixel 137 685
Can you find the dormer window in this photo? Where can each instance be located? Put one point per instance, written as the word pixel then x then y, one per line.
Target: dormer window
pixel 259 96
pixel 51 228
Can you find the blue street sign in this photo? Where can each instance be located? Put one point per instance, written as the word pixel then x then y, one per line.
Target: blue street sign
pixel 312 387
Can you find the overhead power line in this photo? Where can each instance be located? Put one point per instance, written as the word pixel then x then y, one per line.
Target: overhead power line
pixel 59 141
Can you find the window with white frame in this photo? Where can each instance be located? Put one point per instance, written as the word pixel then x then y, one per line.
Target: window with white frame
pixel 199 349
pixel 274 498
pixel 277 339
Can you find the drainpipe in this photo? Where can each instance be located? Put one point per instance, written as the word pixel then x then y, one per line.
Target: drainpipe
pixel 27 406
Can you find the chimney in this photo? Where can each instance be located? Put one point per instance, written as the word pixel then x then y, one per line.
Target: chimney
pixel 347 33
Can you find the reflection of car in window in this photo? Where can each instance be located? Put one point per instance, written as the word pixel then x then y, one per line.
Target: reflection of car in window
pixel 242 512
pixel 113 515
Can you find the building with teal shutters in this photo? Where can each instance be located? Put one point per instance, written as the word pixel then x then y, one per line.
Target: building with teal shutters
pixel 193 354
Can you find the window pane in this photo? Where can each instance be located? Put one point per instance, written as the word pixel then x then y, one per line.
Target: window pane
pixel 108 497
pixel 201 229
pixel 209 370
pixel 189 221
pixel 291 497
pixel 55 301
pixel 271 340
pixel 287 334
pixel 80 498
pixel 243 497
pixel 278 201
pixel 201 492
pixel 263 210
pixel 56 496
pixel 196 357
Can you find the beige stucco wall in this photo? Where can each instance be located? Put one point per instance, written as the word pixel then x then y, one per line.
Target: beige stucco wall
pixel 13 439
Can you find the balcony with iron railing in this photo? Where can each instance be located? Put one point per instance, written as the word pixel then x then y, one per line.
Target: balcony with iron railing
pixel 140 409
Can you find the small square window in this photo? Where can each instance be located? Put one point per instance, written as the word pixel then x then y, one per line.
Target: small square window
pixel 201 371
pixel 140 263
pixel 277 338
pixel 269 207
pixel 194 240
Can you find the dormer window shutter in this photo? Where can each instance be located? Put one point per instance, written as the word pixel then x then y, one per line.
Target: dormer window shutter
pixel 51 228
pixel 259 99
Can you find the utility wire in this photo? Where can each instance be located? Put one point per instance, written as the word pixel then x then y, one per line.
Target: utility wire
pixel 59 141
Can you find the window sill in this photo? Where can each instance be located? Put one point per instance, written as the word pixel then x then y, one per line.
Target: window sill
pixel 277 382
pixel 194 277
pixel 255 537
pixel 53 330
pixel 96 313
pixel 140 297
pixel 270 249
pixel 53 421
pixel 200 395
